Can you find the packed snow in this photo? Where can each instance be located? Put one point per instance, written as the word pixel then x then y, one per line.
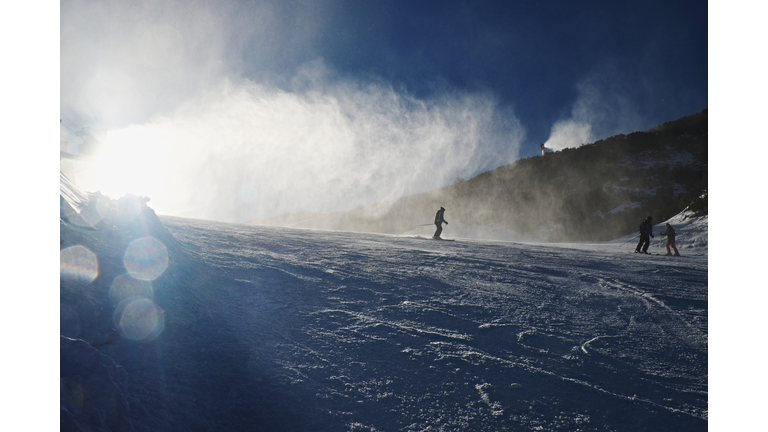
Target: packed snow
pixel 203 325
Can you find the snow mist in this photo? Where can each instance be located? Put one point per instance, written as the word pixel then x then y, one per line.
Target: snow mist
pixel 245 150
pixel 604 107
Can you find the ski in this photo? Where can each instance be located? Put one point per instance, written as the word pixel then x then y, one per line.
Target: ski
pixel 657 254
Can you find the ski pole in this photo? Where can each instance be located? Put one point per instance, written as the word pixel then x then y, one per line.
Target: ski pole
pixel 630 240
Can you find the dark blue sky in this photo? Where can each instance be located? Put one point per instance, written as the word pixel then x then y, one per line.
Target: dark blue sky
pixel 531 56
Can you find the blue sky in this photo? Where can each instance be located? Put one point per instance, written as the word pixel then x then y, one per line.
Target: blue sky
pixel 361 101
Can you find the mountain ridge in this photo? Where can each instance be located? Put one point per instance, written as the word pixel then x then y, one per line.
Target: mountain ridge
pixel 596 192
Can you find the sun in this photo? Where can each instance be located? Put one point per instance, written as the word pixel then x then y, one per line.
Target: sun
pixel 136 160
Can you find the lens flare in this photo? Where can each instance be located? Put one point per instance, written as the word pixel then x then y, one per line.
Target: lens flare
pixel 79 264
pixel 125 287
pixel 146 258
pixel 139 319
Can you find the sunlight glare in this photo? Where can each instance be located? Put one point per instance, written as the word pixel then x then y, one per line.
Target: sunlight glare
pixel 135 160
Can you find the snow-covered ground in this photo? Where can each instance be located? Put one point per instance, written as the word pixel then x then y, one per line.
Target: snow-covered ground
pixel 266 328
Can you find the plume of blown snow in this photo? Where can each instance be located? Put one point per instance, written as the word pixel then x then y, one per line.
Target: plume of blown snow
pixel 247 150
pixel 605 106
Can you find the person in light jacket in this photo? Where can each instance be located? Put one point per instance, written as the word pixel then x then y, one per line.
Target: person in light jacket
pixel 670 233
pixel 439 222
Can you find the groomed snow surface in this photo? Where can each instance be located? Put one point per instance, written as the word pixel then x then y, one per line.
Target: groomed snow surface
pixel 277 329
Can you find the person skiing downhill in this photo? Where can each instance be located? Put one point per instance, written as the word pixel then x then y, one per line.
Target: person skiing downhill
pixel 439 223
pixel 646 230
pixel 670 233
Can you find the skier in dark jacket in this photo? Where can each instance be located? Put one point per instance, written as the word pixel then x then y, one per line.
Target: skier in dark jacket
pixel 646 230
pixel 670 233
pixel 439 222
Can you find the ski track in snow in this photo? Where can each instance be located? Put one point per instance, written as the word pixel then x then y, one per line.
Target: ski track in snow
pixel 378 332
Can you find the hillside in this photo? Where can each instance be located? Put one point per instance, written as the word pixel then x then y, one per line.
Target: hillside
pixel 596 192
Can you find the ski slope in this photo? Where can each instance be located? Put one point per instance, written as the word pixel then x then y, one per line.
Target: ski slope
pixel 266 328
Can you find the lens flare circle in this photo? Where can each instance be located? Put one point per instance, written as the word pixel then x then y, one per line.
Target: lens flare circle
pixel 139 319
pixel 125 287
pixel 146 258
pixel 78 263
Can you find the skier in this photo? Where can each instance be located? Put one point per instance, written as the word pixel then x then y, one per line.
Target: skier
pixel 646 229
pixel 670 233
pixel 439 223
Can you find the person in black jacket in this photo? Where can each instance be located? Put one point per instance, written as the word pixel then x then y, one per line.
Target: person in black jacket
pixel 439 222
pixel 646 230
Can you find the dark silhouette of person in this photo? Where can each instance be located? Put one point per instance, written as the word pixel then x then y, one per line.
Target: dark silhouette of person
pixel 646 235
pixel 439 222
